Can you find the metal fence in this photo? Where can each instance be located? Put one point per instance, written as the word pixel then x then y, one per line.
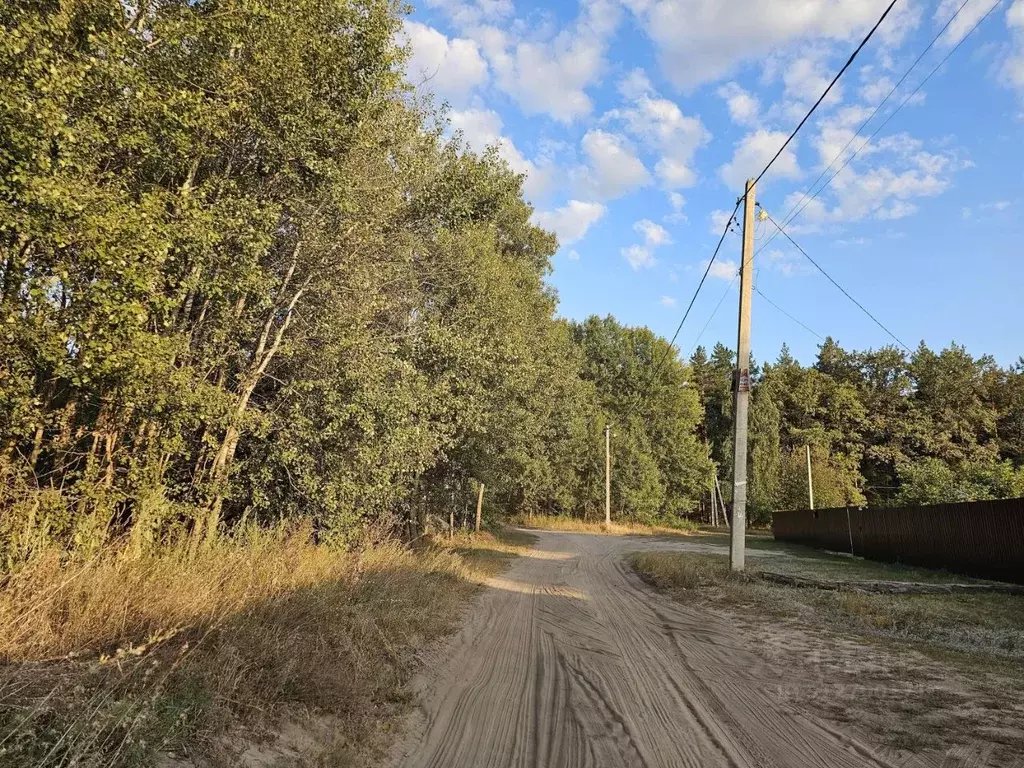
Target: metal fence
pixel 977 538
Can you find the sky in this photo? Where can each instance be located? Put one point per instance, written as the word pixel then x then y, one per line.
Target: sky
pixel 636 123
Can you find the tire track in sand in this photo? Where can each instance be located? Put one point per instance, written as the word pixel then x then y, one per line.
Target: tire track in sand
pixel 570 661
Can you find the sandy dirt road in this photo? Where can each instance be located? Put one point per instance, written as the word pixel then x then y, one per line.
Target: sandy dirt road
pixel 569 660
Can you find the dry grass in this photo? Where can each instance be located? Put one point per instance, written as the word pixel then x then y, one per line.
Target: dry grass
pixel 575 524
pixel 108 661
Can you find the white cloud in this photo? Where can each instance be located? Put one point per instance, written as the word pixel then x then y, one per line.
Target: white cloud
pixel 668 301
pixel 753 152
pixel 639 257
pixel 964 21
pixel 743 106
pixel 483 128
pixel 703 40
pixel 1012 70
pixel 662 126
pixel 613 168
pixel 718 221
pixel 722 269
pixel 570 222
pixel 903 172
pixel 654 235
pixel 807 77
pixel 635 84
pixel 550 75
pixel 998 205
pixel 474 12
pixel 876 90
pixel 677 201
pixel 573 255
pixel 450 68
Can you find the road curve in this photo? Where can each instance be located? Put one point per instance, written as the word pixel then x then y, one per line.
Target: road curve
pixel 569 660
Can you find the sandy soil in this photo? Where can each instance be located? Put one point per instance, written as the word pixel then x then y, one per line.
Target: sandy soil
pixel 569 659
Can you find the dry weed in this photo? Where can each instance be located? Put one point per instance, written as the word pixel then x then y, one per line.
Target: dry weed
pixel 108 661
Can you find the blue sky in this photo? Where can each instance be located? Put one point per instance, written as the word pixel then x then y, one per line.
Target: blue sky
pixel 637 121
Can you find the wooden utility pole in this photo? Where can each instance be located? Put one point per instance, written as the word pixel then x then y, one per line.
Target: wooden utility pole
pixel 741 390
pixel 810 480
pixel 479 507
pixel 608 476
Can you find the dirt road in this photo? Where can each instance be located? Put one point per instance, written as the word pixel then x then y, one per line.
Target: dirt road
pixel 570 660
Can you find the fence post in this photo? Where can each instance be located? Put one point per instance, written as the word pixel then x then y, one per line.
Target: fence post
pixel 849 528
pixel 479 507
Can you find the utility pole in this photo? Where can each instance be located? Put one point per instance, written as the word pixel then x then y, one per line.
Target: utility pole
pixel 479 507
pixel 810 480
pixel 608 476
pixel 741 389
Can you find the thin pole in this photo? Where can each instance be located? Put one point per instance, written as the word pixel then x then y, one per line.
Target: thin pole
pixel 810 480
pixel 741 387
pixel 479 506
pixel 608 476
pixel 721 500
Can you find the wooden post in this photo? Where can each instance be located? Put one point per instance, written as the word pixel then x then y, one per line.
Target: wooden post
pixel 479 507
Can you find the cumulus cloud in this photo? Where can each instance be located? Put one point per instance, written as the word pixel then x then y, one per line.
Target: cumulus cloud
pixel 662 127
pixel 639 257
pixel 613 168
pixel 668 301
pixel 902 172
pixel 753 152
pixel 743 106
pixel 570 222
pixel 550 74
pixel 654 235
pixel 723 269
pixel 703 40
pixel 451 68
pixel 677 201
pixel 481 128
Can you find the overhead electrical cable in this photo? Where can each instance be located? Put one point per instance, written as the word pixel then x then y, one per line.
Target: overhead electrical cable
pixel 804 201
pixel 833 281
pixel 743 197
pixel 780 309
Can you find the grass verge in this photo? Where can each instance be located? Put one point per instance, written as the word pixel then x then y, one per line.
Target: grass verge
pixel 575 524
pixel 116 660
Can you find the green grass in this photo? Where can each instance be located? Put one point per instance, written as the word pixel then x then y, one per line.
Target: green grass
pixel 985 624
pixel 800 560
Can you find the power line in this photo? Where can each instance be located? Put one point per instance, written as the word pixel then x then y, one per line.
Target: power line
pixel 800 205
pixel 831 280
pixel 715 312
pixel 743 197
pixel 806 328
pixel 821 98
pixel 668 349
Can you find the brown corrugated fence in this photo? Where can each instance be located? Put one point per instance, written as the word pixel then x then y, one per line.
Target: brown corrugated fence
pixel 977 538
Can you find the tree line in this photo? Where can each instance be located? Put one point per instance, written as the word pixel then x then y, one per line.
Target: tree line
pixel 246 275
pixel 885 427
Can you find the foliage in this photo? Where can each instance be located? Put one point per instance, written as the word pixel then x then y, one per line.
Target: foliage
pixel 245 276
pixel 884 427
